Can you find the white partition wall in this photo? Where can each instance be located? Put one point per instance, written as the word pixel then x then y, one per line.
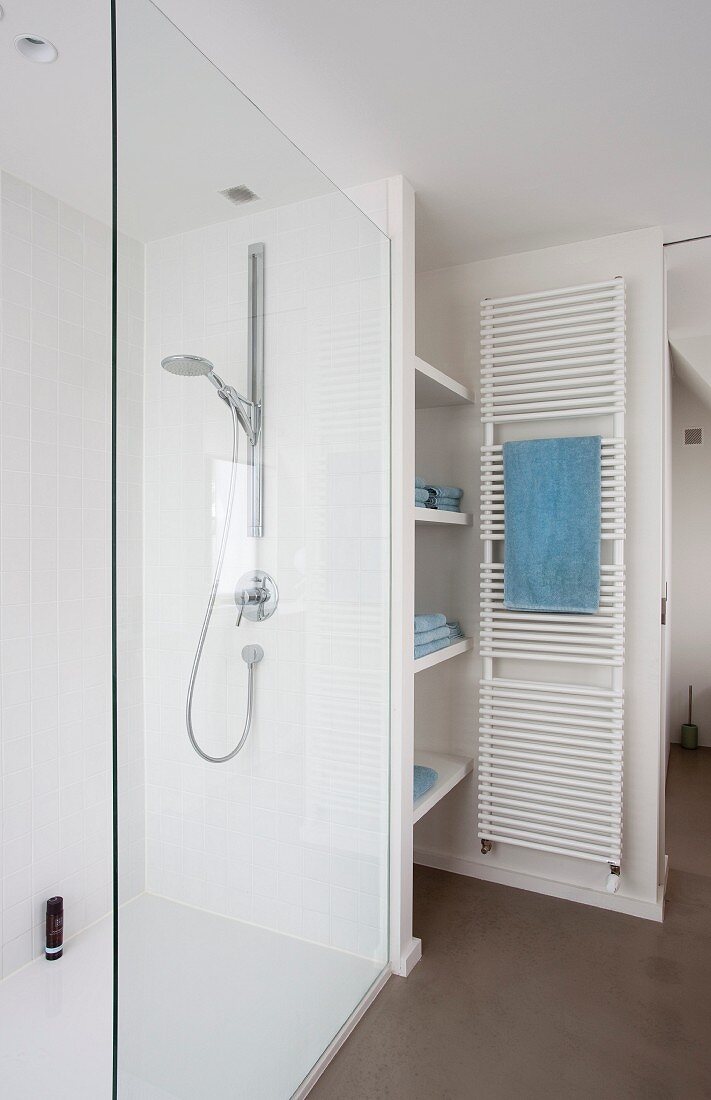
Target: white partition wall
pixel 448 333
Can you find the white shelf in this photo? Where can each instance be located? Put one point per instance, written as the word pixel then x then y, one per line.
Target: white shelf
pixel 454 519
pixel 434 388
pixel 450 771
pixel 445 654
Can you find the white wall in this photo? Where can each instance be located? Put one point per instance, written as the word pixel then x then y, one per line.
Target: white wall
pixel 291 834
pixel 55 581
pixel 688 272
pixel 691 538
pixel 448 335
pixel 689 324
pixel 667 555
pixel 446 580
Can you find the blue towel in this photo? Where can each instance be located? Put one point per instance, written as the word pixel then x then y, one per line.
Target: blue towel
pixel 449 492
pixel 425 496
pixel 429 622
pixel 445 504
pixel 436 635
pixel 424 778
pixel 552 524
pixel 431 647
pixel 455 630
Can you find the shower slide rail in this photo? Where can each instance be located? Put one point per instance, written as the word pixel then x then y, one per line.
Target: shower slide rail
pixel 550 769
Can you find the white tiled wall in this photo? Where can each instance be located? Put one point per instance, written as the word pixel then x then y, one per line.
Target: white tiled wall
pixel 292 834
pixel 55 580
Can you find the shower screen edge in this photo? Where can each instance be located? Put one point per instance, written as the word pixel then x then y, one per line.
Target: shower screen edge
pixel 114 559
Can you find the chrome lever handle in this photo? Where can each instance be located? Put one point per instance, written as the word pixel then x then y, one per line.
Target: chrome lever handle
pixel 251 597
pixel 256 596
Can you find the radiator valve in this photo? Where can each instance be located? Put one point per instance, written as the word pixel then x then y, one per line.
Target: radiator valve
pixel 612 883
pixel 485 847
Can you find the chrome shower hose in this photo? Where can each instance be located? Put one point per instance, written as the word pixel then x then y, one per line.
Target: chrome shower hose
pixel 208 617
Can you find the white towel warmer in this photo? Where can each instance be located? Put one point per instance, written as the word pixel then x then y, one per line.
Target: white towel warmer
pixel 550 754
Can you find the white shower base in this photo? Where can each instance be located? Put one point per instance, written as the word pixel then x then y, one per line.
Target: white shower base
pixel 209 1007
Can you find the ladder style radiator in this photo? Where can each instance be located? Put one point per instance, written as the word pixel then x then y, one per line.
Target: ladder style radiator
pixel 550 753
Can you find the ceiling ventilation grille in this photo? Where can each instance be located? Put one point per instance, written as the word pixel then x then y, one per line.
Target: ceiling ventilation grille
pixel 693 437
pixel 239 195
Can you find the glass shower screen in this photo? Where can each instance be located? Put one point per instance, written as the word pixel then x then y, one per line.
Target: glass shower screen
pixel 252 585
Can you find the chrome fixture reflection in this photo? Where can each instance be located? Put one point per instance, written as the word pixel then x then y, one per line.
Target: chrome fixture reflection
pixel 259 594
pixel 192 367
pixel 249 410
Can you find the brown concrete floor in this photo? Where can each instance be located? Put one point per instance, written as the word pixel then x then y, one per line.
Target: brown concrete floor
pixel 524 996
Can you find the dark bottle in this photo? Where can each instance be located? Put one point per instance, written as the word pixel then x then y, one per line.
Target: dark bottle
pixel 55 928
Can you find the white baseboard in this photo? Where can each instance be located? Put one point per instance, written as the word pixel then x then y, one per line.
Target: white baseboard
pixel 337 1042
pixel 409 959
pixel 519 880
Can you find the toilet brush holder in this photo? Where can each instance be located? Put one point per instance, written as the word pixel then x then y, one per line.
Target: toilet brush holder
pixel 690 731
pixel 689 736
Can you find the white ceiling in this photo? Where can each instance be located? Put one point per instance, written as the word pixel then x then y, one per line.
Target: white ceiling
pixel 521 124
pixel 55 121
pixel 185 133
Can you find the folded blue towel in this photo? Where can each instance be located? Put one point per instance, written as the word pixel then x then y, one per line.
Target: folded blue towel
pixel 429 622
pixel 429 498
pixel 424 778
pixel 552 524
pixel 455 630
pixel 424 636
pixel 449 492
pixel 431 647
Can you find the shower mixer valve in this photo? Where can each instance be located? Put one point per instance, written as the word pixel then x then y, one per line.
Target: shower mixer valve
pixel 256 596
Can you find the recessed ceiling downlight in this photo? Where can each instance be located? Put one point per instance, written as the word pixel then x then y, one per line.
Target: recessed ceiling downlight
pixel 36 48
